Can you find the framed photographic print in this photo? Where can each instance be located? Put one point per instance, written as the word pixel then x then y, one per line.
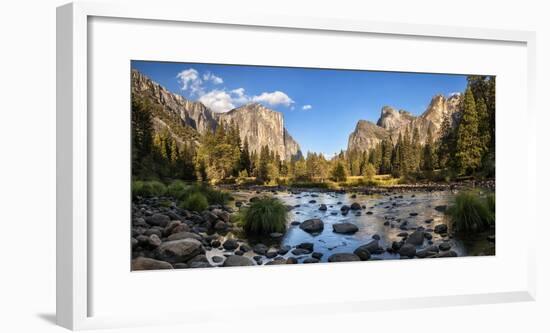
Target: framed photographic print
pixel 371 151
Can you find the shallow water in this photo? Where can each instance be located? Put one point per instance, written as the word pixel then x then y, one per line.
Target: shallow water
pixel 394 209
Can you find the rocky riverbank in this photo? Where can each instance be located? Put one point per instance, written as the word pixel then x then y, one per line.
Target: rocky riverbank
pixel 364 189
pixel 165 236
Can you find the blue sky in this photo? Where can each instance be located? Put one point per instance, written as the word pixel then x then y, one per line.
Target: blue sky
pixel 321 106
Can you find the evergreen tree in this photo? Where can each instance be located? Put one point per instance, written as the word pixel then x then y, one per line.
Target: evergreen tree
pixel 446 143
pixel 339 172
pixel 264 164
pixel 468 148
pixel 386 156
pixel 416 150
pixel 427 159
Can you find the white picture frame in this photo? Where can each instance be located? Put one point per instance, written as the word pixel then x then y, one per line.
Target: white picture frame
pixel 73 234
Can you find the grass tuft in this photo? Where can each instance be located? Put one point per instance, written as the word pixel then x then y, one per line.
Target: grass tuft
pixel 470 213
pixel 151 188
pixel 264 216
pixel 195 202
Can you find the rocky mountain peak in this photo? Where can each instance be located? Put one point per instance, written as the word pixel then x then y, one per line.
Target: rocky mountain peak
pixel 391 118
pixel 258 124
pixel 392 122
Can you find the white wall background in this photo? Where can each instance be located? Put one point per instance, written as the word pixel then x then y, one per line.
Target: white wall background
pixel 27 166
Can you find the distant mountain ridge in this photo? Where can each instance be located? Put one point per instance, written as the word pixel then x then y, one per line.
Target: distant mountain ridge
pixel 258 124
pixel 392 122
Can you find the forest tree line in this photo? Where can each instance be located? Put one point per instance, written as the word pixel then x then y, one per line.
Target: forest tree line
pixel 466 149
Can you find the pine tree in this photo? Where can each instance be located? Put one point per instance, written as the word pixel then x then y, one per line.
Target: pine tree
pixel 468 149
pixel 339 172
pixel 246 163
pixel 386 156
pixel 446 143
pixel 427 159
pixel 416 150
pixel 263 167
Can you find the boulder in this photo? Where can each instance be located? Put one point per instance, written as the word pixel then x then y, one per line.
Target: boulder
pixel 260 249
pixel 171 226
pixel 323 207
pixel 416 238
pixel 444 246
pixel 310 261
pixel 283 250
pixel 292 260
pixel 373 247
pixel 179 250
pixel 312 226
pixel 306 246
pixel 142 263
pixel 271 254
pixel 344 228
pixel 277 261
pixel 233 261
pixel 427 252
pixel 343 257
pixel 217 259
pixel 407 250
pixel 300 252
pixel 317 255
pixel 230 245
pixel 160 220
pixel 222 215
pixel 245 247
pixel 441 229
pixel 184 235
pixel 154 241
pixel 362 253
pixel 355 206
pixel 220 225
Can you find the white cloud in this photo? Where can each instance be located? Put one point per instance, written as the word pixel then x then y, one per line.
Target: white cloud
pixel 190 80
pixel 212 78
pixel 273 98
pixel 222 100
pixel 217 101
pixel 306 107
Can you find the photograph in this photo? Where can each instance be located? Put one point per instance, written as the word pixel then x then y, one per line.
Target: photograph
pixel 246 165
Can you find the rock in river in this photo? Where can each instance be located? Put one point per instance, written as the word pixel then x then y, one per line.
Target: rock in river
pixel 312 226
pixel 143 263
pixel 233 261
pixel 260 249
pixel 306 246
pixel 323 207
pixel 440 229
pixel 179 250
pixel 343 257
pixel 344 228
pixel 444 246
pixel 362 253
pixel 373 247
pixel 407 250
pixel 416 238
pixel 355 206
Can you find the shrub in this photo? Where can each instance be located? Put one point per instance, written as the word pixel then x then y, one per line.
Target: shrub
pixel 264 216
pixel 195 202
pixel 148 188
pixel 176 189
pixel 470 214
pixel 213 196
